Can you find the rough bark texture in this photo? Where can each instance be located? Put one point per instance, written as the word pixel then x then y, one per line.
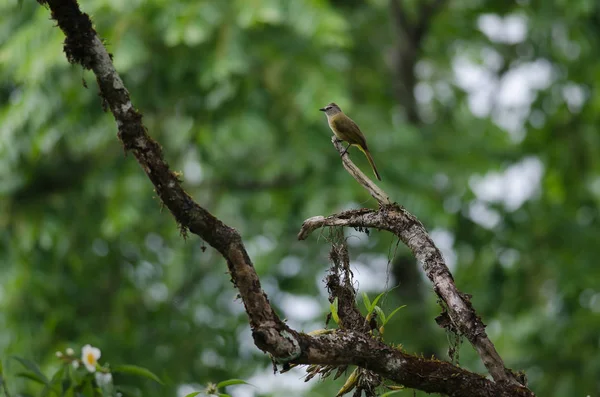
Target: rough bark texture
pixel 461 315
pixel 344 347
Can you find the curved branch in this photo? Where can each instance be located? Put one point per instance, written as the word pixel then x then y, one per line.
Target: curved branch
pixel 270 334
pixel 83 46
pixel 462 316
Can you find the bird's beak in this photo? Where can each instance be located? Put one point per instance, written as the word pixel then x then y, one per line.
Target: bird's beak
pixel 322 109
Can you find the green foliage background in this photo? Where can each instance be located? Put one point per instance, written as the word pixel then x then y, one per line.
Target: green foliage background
pixel 231 89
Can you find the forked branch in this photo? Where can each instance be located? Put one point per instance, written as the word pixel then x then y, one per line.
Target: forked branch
pixel 459 315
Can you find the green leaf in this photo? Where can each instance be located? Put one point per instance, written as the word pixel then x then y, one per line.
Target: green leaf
pixel 367 302
pixel 58 375
pixel 224 395
pixel 380 313
pixel 371 305
pixel 67 380
pixel 88 389
pixel 32 376
pixel 48 389
pixel 334 311
pixel 393 313
pixel 135 370
pixel 231 382
pixel 193 394
pixel 33 367
pixel 66 385
pixel 56 379
pixel 76 377
pixel 389 393
pixel 377 299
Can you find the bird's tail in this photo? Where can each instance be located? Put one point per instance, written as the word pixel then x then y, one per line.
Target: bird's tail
pixel 370 158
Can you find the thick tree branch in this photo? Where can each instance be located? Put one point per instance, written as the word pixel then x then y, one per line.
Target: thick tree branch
pixel 83 46
pixel 461 316
pixel 270 334
pixel 429 375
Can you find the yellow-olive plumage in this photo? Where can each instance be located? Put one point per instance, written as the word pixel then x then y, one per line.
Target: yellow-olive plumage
pixel 346 130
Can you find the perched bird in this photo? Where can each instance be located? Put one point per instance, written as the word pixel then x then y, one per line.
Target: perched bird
pixel 346 130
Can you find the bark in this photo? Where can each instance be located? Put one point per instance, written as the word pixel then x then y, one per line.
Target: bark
pixel 459 315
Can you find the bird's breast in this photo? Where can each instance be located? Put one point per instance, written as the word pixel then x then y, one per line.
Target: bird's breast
pixel 333 126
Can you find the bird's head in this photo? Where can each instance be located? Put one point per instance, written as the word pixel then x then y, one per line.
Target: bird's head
pixel 331 109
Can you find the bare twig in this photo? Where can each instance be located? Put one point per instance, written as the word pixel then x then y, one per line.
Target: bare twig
pixel 360 177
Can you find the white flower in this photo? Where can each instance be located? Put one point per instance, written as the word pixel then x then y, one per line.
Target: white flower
pixel 59 354
pixel 69 351
pixel 211 388
pixel 75 364
pixel 90 356
pixel 103 379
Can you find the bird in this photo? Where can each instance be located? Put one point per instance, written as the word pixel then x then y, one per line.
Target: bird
pixel 345 129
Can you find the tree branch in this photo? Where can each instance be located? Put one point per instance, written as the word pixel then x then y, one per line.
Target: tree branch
pixel 429 375
pixel 83 46
pixel 270 334
pixel 376 192
pixel 461 316
pixel 342 293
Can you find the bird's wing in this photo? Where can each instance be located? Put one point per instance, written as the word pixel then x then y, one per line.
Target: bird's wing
pixel 349 131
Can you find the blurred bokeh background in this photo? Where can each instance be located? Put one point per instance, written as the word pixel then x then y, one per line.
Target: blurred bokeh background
pixel 482 117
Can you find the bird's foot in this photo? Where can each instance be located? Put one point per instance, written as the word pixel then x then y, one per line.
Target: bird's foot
pixel 345 151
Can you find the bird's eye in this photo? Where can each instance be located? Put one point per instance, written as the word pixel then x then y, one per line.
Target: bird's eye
pixel 328 107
